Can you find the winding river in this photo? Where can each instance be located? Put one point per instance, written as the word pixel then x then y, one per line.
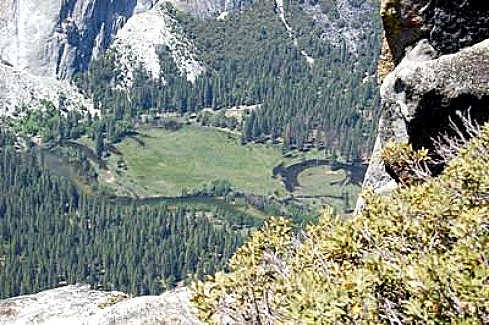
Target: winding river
pixel 58 166
pixel 289 175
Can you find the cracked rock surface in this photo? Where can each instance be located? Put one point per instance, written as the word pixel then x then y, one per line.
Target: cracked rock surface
pixel 78 304
pixel 423 94
pixel 59 38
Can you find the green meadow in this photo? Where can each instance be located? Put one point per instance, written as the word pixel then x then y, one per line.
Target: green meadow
pixel 164 162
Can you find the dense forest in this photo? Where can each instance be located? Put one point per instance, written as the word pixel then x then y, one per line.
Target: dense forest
pixel 251 60
pixel 51 233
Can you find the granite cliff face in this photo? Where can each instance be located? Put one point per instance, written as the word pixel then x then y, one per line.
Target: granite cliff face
pixel 41 41
pixel 58 38
pixel 439 54
pixel 448 25
pixel 140 40
pixel 340 21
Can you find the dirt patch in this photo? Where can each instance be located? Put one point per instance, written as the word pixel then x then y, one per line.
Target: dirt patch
pixel 112 301
pixel 239 111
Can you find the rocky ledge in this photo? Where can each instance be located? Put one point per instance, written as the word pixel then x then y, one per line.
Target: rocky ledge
pixel 423 95
pixel 78 304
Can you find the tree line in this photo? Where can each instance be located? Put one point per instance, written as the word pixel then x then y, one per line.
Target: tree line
pixel 250 59
pixel 51 233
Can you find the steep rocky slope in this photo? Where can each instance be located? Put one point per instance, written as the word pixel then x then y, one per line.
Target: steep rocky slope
pixel 78 304
pixel 140 41
pixel 423 94
pixel 446 74
pixel 449 26
pixel 58 38
pixel 342 21
pixel 19 88
pixel 41 41
pixel 418 255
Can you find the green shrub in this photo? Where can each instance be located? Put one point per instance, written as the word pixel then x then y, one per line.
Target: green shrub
pixel 417 256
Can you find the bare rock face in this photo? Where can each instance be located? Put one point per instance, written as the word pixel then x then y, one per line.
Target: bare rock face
pixel 77 304
pixel 426 87
pixel 140 40
pixel 19 88
pixel 59 38
pixel 211 8
pixel 423 94
pixel 42 40
pixel 343 21
pixel 449 25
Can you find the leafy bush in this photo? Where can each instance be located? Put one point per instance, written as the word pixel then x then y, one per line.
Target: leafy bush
pixel 404 163
pixel 418 256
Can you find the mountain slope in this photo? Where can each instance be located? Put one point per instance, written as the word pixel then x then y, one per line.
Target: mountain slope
pixel 59 38
pixel 417 256
pixel 141 40
pixel 269 56
pixel 416 252
pixel 21 89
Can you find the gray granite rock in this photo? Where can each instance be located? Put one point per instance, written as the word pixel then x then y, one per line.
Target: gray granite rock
pixel 78 304
pixel 449 25
pixel 20 88
pixel 59 38
pixel 423 94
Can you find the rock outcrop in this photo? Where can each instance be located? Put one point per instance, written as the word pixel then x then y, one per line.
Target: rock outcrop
pixel 140 40
pixel 59 38
pixel 448 25
pixel 343 21
pixel 442 76
pixel 78 304
pixel 19 88
pixel 41 41
pixel 211 8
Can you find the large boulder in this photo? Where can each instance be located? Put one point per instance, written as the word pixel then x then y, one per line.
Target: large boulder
pixel 435 62
pixel 423 95
pixel 449 25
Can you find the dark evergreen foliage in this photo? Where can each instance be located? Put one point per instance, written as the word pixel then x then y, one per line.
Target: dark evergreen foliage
pixel 250 59
pixel 51 233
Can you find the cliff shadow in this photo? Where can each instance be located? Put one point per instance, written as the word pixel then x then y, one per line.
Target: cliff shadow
pixel 434 118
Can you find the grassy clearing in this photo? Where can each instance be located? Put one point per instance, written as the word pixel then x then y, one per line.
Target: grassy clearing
pixel 329 188
pixel 170 161
pixel 321 180
pixel 163 163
